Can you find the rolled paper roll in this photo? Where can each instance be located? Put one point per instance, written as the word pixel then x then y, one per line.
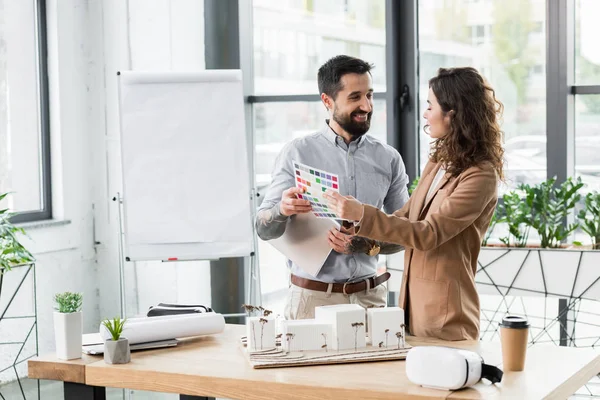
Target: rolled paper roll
pixel 151 329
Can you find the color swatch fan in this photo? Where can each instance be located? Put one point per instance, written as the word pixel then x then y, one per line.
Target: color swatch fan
pixel 315 183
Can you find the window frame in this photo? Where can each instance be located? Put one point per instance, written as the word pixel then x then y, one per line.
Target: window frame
pixel 45 212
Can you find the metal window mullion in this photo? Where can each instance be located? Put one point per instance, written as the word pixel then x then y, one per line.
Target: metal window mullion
pixel 222 51
pixel 585 89
pixel 402 69
pixel 45 212
pixel 559 100
pixel 560 145
pixel 286 98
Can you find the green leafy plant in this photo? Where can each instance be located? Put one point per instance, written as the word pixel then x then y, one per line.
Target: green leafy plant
pixel 114 327
pixel 12 251
pixel 413 185
pixel 590 218
pixel 550 205
pixel 496 218
pixel 517 215
pixel 68 302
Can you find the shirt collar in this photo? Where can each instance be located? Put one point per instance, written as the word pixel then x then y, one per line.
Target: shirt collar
pixel 337 139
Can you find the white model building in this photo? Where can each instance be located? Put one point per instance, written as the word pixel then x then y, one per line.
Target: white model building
pixel 260 333
pixel 348 325
pixel 384 325
pixel 306 334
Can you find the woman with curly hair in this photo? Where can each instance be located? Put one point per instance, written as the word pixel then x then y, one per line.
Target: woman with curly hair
pixel 443 223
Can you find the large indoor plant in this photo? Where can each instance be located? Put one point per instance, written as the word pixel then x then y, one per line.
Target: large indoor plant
pixel 553 265
pixel 12 252
pixel 18 307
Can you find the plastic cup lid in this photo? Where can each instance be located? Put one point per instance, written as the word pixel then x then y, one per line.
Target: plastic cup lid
pixel 514 321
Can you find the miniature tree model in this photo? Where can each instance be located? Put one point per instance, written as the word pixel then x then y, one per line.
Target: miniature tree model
pixel 289 337
pixel 402 328
pixel 356 326
pixel 386 337
pixel 262 328
pixel 381 344
pixel 399 336
pixel 325 339
pixel 250 309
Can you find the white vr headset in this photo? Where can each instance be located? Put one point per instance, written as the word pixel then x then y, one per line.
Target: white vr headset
pixel 447 368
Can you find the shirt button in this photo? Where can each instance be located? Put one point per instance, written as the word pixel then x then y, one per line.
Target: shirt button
pixel 351 178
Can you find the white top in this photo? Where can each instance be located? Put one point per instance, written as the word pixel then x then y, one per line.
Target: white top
pixel 438 177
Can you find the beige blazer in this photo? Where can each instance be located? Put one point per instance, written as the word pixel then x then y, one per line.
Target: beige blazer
pixel 442 238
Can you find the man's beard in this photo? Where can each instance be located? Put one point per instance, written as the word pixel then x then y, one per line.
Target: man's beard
pixel 355 129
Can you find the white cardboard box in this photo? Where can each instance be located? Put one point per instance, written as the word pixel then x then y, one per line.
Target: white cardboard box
pixel 260 333
pixel 384 324
pixel 306 334
pixel 348 325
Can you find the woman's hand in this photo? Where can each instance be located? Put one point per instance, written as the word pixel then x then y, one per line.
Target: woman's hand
pixel 345 207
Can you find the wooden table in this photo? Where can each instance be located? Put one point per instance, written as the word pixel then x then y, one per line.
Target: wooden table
pixel 215 366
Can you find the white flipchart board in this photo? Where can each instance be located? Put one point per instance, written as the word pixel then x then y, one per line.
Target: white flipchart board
pixel 186 181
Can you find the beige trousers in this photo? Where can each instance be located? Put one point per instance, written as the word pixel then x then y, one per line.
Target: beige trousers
pixel 301 302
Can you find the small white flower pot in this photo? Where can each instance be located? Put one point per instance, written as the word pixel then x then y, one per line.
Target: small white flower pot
pixel 117 352
pixel 68 335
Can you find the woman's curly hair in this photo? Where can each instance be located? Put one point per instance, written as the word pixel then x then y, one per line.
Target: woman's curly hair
pixel 474 137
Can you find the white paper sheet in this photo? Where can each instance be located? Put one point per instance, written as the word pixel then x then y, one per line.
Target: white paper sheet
pixel 305 241
pixel 185 166
pixel 151 329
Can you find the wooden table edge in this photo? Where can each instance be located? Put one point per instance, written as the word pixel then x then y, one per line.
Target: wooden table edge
pixel 578 380
pixel 235 388
pixel 51 368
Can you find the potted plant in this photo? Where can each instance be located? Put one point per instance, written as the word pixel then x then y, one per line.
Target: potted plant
pixel 116 349
pixel 17 298
pixel 552 266
pixel 68 325
pixel 12 252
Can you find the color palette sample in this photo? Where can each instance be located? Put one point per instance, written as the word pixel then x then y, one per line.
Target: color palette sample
pixel 315 182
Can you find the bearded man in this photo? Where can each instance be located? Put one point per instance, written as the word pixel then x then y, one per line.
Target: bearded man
pixel 368 170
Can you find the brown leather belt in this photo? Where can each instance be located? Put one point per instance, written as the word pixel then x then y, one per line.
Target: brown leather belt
pixel 346 288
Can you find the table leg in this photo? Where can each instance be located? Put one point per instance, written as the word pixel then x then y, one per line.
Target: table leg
pixel 188 397
pixel 79 391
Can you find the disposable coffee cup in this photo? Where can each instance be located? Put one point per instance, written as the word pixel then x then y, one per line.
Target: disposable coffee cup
pixel 514 331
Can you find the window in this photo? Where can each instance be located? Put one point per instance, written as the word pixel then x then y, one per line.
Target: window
pixel 587 51
pixel 24 147
pixel 501 48
pixel 587 106
pixel 292 39
pixel 587 140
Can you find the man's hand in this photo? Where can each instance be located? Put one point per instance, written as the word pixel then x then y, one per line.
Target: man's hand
pixel 345 243
pixel 339 241
pixel 291 205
